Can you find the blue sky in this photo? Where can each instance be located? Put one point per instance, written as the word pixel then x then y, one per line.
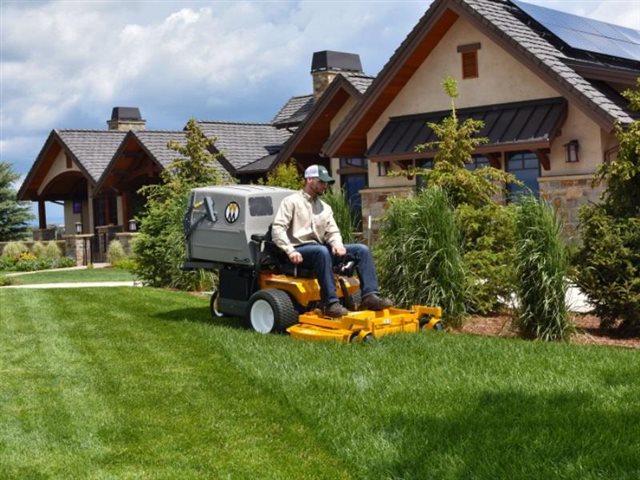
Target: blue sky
pixel 67 63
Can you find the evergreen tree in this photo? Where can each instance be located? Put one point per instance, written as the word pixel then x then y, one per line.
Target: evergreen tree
pixel 14 215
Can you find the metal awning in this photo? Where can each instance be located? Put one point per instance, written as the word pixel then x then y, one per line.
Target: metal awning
pixel 509 126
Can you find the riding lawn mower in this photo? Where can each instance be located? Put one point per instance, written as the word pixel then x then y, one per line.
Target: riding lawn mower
pixel 227 228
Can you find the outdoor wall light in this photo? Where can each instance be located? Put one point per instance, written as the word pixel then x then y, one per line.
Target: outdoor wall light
pixel 571 151
pixel 78 228
pixel 132 225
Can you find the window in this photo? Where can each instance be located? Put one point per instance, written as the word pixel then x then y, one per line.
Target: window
pixel 469 60
pixel 526 168
pixel 477 161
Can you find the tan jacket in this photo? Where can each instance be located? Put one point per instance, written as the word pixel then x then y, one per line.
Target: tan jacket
pixel 302 220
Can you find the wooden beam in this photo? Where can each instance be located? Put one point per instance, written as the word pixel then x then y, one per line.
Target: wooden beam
pixel 495 159
pixel 543 158
pixel 42 215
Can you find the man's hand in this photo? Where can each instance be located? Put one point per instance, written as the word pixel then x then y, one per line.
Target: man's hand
pixel 338 250
pixel 295 257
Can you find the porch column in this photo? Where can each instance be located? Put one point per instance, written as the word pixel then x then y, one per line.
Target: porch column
pixel 42 215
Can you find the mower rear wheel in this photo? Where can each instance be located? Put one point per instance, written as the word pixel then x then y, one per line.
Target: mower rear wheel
pixel 271 310
pixel 213 304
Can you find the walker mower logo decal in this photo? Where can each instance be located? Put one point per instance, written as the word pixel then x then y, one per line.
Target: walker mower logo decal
pixel 232 212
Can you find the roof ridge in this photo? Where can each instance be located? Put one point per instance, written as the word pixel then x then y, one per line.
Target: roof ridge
pixel 233 122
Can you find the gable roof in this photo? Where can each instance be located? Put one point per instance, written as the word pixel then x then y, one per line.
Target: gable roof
pixel 243 143
pixel 316 128
pixel 504 23
pixel 154 144
pixel 90 150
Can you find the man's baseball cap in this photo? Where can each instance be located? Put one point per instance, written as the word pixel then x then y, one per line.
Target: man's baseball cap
pixel 318 171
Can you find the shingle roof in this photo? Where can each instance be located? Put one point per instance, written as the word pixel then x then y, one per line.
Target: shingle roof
pixel 294 111
pixel 298 108
pixel 359 80
pixel 93 149
pixel 155 142
pixel 243 143
pixel 502 18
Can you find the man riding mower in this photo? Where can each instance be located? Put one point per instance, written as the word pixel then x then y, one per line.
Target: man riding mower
pixel 228 229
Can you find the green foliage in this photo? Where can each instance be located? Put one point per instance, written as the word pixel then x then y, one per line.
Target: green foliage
pixel 418 254
pixel 14 249
pixel 160 246
pixel 453 149
pixel 488 246
pixel 608 262
pixel 115 252
pixel 622 176
pixel 52 251
pixel 14 215
pixel 38 249
pixel 541 271
pixel 608 265
pixel 337 200
pixel 285 175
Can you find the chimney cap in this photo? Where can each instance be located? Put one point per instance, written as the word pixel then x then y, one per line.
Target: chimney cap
pixel 341 61
pixel 126 113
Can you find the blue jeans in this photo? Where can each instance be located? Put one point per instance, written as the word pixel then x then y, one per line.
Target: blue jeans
pixel 318 258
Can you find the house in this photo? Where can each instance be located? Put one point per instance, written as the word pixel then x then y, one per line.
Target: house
pixel 547 85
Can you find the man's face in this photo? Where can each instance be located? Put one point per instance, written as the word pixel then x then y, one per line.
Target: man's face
pixel 318 186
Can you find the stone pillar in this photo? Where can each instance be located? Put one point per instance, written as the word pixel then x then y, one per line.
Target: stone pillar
pixel 79 247
pixel 374 203
pixel 126 239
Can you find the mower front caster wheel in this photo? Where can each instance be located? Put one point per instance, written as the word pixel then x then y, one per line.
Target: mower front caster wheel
pixel 213 304
pixel 271 310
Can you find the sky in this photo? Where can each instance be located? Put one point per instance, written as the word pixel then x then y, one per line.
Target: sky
pixel 67 63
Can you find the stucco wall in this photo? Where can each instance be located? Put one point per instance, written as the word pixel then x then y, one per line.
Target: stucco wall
pixel 59 166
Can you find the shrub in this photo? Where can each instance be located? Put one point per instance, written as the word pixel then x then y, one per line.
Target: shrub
pixel 285 175
pixel 608 265
pixel 418 254
pixel 14 250
pixel 341 212
pixel 52 251
pixel 541 269
pixel 38 249
pixel 488 247
pixel 115 252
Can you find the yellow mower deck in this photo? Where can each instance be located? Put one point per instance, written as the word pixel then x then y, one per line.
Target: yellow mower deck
pixel 366 324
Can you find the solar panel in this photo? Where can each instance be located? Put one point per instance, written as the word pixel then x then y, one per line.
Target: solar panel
pixel 587 34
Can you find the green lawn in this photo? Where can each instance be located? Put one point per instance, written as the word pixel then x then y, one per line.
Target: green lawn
pixel 73 276
pixel 141 383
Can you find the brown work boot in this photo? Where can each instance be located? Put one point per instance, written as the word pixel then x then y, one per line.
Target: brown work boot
pixel 374 302
pixel 335 310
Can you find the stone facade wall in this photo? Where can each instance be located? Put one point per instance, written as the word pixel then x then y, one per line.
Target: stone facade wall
pixel 567 194
pixel 374 202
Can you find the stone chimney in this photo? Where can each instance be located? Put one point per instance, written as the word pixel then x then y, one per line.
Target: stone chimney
pixel 125 119
pixel 326 65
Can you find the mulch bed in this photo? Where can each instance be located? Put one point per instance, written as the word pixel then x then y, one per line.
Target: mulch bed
pixel 588 326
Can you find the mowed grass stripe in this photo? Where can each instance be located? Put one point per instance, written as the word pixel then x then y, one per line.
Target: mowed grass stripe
pixel 174 407
pixel 241 405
